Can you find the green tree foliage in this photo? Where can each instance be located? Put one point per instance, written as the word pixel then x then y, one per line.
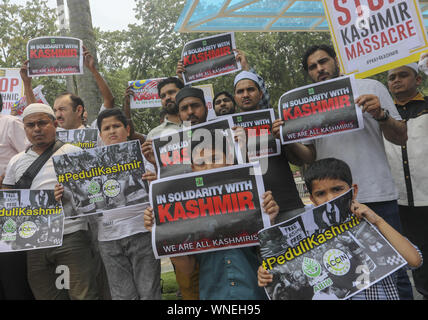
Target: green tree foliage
pixel 19 24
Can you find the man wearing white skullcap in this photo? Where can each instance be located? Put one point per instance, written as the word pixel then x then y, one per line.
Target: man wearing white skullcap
pixel 408 162
pixel 75 253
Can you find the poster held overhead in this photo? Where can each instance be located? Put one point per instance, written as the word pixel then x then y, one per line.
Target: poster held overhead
pixel 371 37
pixel 209 57
pixel 55 56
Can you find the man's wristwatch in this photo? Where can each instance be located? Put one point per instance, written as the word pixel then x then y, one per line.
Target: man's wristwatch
pixel 385 116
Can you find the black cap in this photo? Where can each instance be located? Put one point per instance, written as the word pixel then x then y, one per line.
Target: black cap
pixel 189 92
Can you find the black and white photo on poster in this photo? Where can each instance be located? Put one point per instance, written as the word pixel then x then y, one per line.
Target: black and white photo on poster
pixel 328 258
pixel 100 179
pixel 82 138
pixel 175 151
pixel 258 127
pixel 29 220
pixel 208 210
pixel 319 110
pixel 55 56
pixel 209 57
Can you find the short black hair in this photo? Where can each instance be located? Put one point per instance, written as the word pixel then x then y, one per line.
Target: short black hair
pixel 178 83
pixel 1 103
pixel 227 94
pixel 311 50
pixel 75 101
pixel 114 112
pixel 328 168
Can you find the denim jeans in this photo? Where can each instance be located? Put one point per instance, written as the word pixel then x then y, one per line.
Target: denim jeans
pixel 76 256
pixel 132 270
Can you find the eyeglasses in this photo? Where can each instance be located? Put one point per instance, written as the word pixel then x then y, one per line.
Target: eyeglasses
pixel 40 124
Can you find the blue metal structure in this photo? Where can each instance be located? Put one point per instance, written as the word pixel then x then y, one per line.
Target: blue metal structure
pixel 257 16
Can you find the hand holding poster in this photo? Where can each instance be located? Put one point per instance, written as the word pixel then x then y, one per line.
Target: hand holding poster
pixel 209 58
pixel 11 88
pixel 82 138
pixel 320 110
pixel 207 211
pixel 375 36
pixel 174 153
pixel 100 179
pixel 54 56
pixel 258 126
pixel 145 93
pixel 325 253
pixel 30 219
pixel 19 106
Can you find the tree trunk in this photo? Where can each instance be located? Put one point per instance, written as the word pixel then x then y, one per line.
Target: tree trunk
pixel 63 29
pixel 81 27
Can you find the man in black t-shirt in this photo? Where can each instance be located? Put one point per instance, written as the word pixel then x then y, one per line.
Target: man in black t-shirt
pixel 277 175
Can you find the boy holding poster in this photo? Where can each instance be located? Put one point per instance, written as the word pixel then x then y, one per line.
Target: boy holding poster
pixel 329 178
pixel 223 274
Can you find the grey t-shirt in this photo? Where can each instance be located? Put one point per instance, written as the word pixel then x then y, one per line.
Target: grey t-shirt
pixel 364 150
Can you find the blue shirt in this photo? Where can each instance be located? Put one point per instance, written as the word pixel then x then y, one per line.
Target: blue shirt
pixel 229 275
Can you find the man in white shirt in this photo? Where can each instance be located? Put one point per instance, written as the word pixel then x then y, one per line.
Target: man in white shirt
pixel 75 252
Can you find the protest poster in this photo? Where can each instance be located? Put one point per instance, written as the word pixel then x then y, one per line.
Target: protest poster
pixel 174 152
pixel 209 99
pixel 375 36
pixel 101 179
pixel 19 106
pixel 145 93
pixel 82 138
pixel 29 220
pixel 207 211
pixel 209 57
pixel 326 253
pixel 258 126
pixel 319 110
pixel 11 88
pixel 55 56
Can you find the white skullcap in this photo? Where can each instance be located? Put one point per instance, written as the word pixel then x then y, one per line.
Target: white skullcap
pixel 246 75
pixel 38 108
pixel 413 66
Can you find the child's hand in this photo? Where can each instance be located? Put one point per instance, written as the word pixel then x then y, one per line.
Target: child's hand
pixel 149 176
pixel 58 192
pixel 276 128
pixel 263 277
pixel 148 218
pixel 270 206
pixel 362 211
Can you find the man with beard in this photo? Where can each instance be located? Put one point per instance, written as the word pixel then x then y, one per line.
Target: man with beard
pixel 408 163
pixel 224 104
pixel 276 170
pixel 362 150
pixel 167 90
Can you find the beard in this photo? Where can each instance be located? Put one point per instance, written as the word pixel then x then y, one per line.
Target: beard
pixel 171 108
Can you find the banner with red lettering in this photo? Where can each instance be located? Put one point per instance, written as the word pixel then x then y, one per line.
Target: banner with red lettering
pixel 375 36
pixel 55 56
pixel 319 110
pixel 175 152
pixel 258 126
pixel 145 93
pixel 207 211
pixel 209 58
pixel 11 88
